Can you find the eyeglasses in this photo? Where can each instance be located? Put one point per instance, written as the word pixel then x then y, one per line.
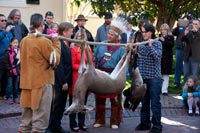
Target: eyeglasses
pixel 3 20
pixel 144 32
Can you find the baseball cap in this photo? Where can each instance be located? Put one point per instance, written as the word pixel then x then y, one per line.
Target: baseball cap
pixel 49 13
pixel 108 15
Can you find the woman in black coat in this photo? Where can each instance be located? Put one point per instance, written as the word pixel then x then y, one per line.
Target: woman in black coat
pixel 167 40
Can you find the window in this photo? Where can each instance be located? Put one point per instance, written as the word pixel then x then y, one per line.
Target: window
pixel 13 3
pixel 33 1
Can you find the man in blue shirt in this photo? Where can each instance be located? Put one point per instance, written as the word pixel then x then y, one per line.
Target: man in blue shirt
pixel 5 37
pixel 102 31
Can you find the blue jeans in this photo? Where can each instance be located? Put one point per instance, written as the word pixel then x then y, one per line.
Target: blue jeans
pixel 178 66
pixel 191 67
pixel 12 86
pixel 152 97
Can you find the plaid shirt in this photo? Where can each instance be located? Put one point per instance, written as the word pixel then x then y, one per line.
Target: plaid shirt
pixel 149 60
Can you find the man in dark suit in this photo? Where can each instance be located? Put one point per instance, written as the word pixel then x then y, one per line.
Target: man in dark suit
pixel 63 77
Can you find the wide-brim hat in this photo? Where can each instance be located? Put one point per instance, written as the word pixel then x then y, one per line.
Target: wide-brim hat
pixel 81 17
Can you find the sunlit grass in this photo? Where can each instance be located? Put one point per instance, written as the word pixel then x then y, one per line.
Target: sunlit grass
pixel 171 88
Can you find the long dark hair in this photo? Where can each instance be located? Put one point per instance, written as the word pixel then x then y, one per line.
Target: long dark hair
pixel 12 14
pixel 35 22
pixel 151 28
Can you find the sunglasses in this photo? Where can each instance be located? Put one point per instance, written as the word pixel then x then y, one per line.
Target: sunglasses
pixel 3 20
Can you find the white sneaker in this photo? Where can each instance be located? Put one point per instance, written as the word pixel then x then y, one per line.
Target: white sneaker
pixel 114 126
pixel 189 111
pixel 98 125
pixel 197 112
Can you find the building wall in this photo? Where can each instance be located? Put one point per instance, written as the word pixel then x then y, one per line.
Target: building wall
pixel 58 7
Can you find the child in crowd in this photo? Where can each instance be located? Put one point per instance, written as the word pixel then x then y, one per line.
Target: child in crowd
pixel 191 94
pixel 76 61
pixel 12 72
pixel 53 29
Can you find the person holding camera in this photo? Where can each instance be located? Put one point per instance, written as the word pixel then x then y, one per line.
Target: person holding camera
pixel 179 45
pixel 167 40
pixel 19 29
pixel 191 56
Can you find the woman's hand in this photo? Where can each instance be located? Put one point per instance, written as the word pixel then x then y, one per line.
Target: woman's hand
pixel 161 38
pixel 190 95
pixel 65 87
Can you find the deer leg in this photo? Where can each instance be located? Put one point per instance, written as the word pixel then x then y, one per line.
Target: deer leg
pixel 120 63
pixel 82 65
pixel 88 55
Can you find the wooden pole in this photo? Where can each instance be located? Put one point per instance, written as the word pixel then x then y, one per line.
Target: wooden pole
pixel 92 43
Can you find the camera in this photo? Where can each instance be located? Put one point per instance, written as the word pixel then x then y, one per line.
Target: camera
pixel 190 27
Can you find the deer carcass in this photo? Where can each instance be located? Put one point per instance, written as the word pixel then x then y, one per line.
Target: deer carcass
pixel 97 81
pixel 135 93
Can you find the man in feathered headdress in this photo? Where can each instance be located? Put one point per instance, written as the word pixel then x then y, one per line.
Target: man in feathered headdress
pixel 106 59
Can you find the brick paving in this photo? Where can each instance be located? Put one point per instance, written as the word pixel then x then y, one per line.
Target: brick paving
pixel 174 118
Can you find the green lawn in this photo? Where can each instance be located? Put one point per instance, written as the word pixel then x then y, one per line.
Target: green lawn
pixel 171 89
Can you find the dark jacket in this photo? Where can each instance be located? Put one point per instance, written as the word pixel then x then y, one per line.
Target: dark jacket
pixel 46 26
pixel 63 72
pixel 178 32
pixel 9 64
pixel 192 47
pixel 89 35
pixel 19 31
pixel 124 36
pixel 167 54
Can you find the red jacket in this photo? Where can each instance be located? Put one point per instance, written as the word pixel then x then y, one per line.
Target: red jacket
pixel 76 60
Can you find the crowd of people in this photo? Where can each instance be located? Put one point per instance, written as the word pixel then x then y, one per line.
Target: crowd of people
pixel 46 70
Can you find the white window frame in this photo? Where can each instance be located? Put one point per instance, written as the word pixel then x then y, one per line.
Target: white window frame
pixel 13 3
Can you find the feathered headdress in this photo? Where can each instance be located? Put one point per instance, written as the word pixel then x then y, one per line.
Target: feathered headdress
pixel 118 26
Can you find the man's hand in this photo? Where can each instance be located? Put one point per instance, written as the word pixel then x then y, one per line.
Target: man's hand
pixel 150 42
pixel 65 87
pixel 186 31
pixel 9 27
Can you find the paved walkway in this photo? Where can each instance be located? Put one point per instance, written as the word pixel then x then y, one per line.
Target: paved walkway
pixel 174 118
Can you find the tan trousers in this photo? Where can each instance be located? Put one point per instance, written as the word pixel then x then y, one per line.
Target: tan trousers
pixel 38 120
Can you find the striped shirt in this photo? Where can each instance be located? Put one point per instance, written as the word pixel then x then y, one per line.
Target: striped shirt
pixel 149 60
